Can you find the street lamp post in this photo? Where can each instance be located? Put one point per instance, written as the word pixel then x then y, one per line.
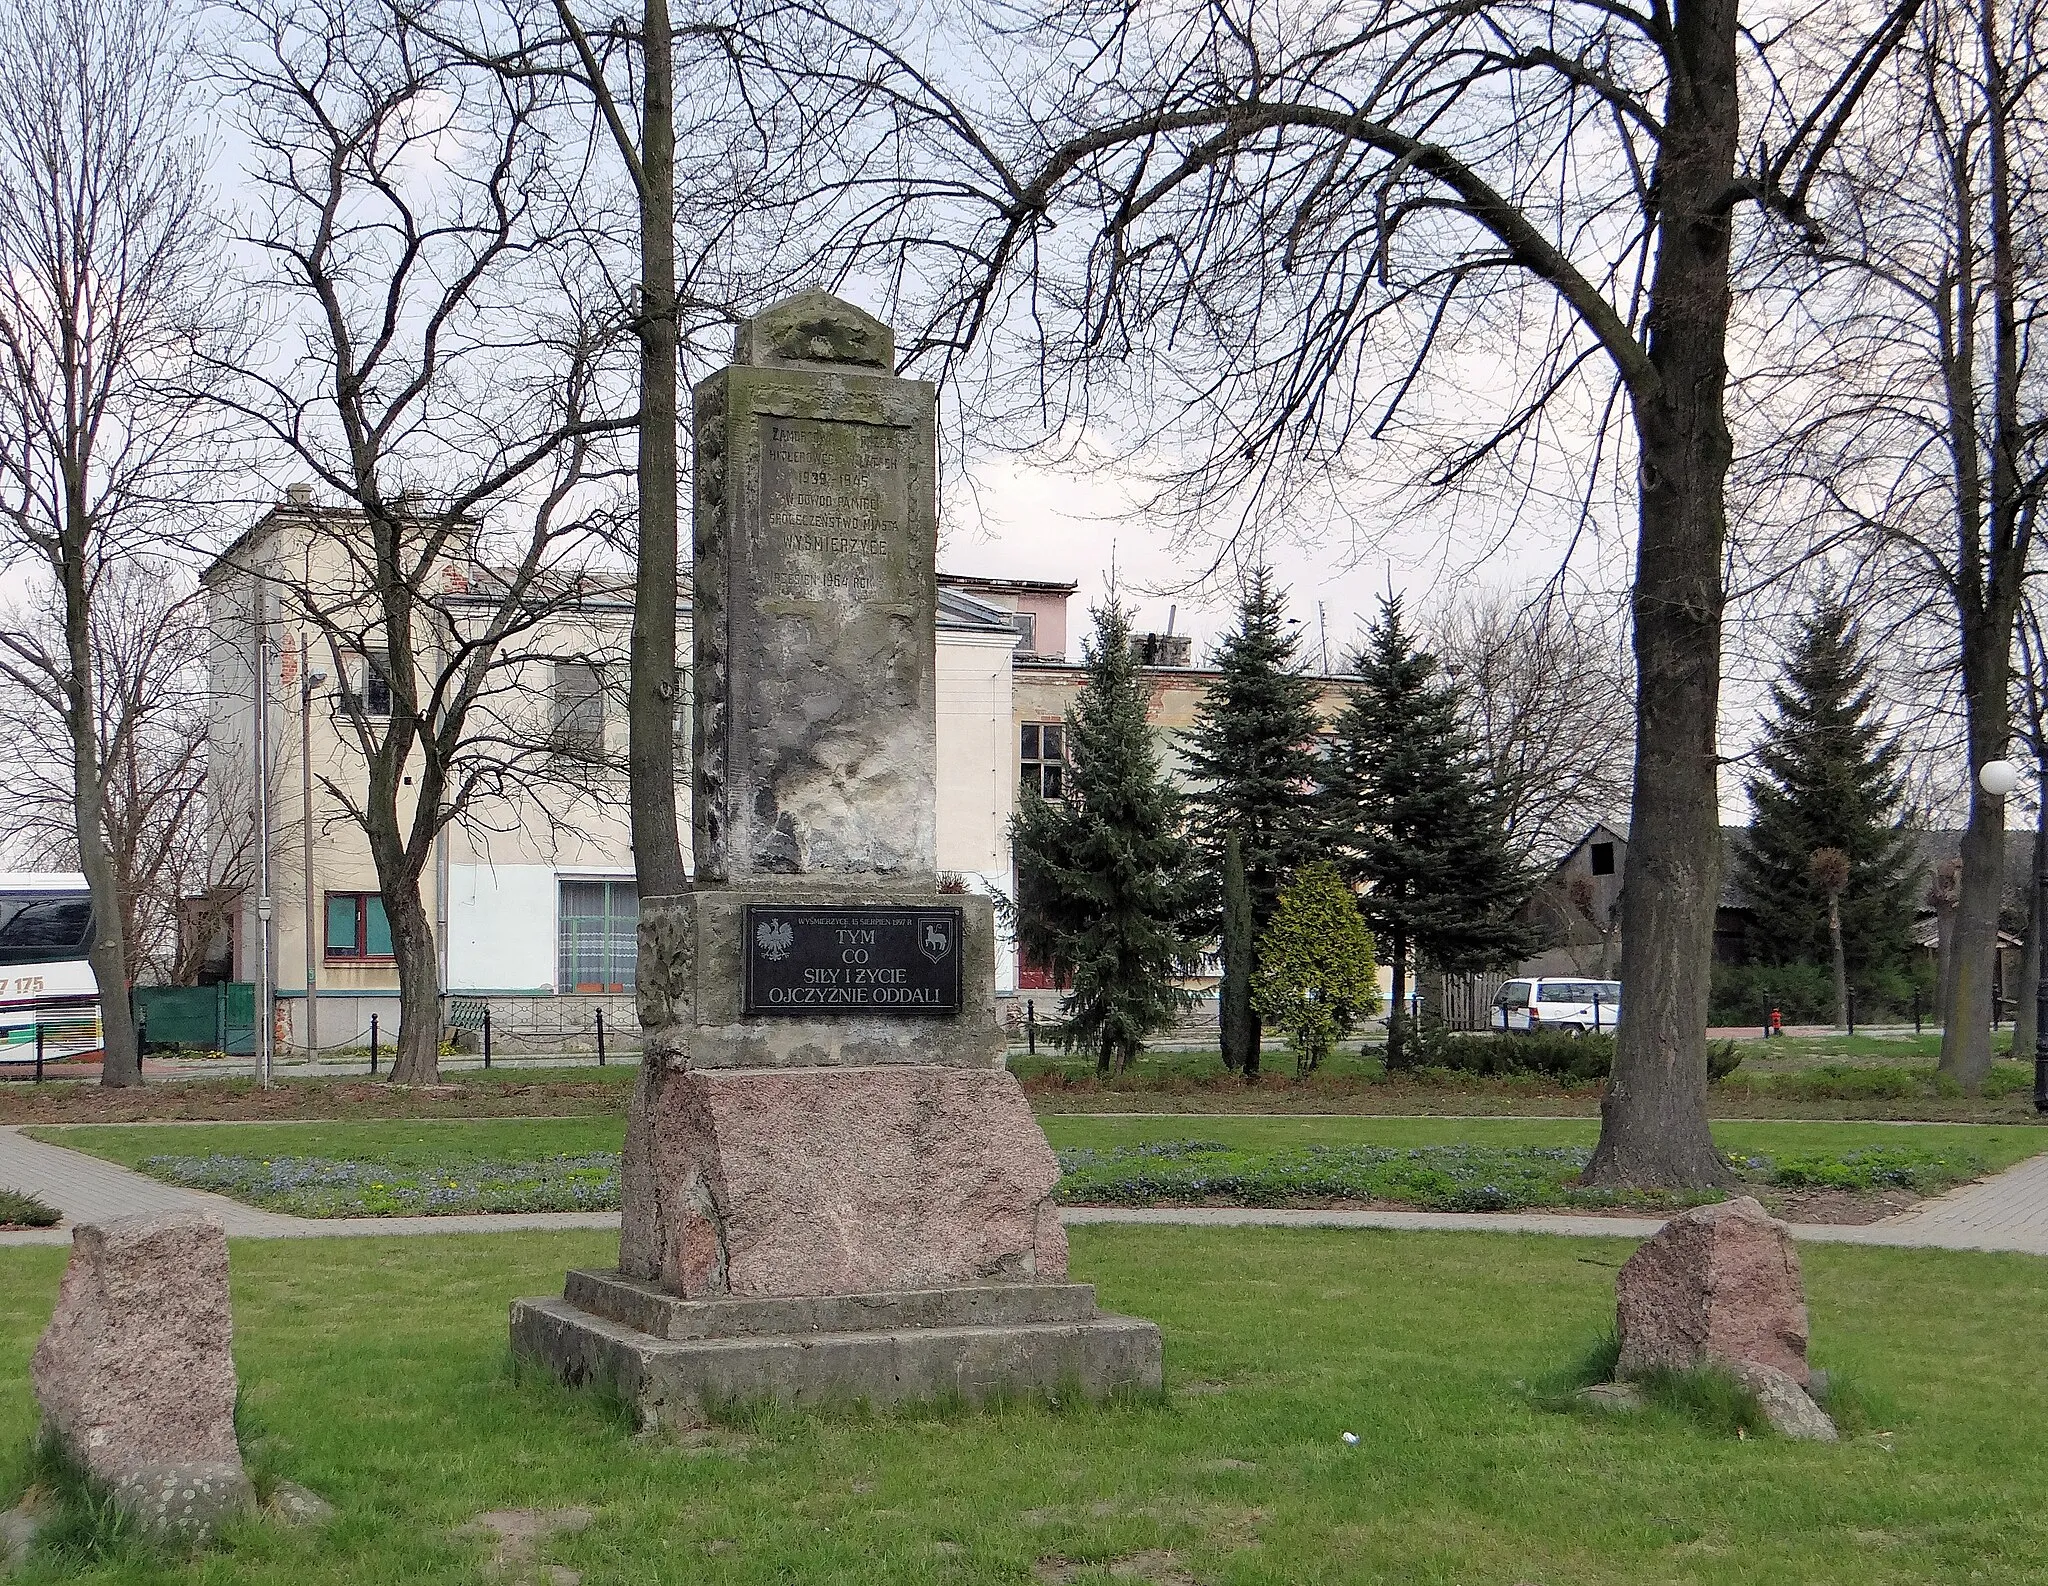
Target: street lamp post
pixel 2001 778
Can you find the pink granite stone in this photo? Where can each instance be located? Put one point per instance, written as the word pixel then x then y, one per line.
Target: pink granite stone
pixel 135 1368
pixel 1716 1283
pixel 799 1181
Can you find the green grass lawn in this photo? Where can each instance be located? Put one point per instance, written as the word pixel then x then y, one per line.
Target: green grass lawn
pixel 399 1167
pixel 377 1371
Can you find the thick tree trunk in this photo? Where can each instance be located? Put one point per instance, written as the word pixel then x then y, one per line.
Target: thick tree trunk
pixel 1973 943
pixel 2025 1014
pixel 1987 624
pixel 1653 1118
pixel 121 1056
pixel 1841 962
pixel 418 1061
pixel 1988 592
pixel 651 687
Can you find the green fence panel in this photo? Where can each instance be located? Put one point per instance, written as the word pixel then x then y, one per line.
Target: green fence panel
pixel 200 1018
pixel 238 1018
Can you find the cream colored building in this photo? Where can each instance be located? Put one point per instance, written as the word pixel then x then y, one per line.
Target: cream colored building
pixel 531 893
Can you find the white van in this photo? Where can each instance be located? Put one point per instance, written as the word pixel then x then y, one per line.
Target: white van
pixel 1575 1007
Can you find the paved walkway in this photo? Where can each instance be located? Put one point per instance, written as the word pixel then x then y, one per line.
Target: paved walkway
pixel 2006 1212
pixel 85 1188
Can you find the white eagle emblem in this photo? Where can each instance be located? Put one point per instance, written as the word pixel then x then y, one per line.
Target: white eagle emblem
pixel 773 938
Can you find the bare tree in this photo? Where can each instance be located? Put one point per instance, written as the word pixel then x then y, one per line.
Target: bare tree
pixel 1547 696
pixel 1264 225
pixel 108 298
pixel 2031 708
pixel 171 858
pixel 1921 436
pixel 457 391
pixel 701 264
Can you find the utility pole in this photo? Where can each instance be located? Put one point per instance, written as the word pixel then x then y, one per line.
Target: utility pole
pixel 266 1013
pixel 307 680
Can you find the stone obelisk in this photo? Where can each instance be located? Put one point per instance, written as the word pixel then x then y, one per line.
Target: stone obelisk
pixel 823 1137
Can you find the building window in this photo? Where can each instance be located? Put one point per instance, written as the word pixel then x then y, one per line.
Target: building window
pixel 600 935
pixel 1044 758
pixel 1602 859
pixel 1027 630
pixel 357 929
pixel 363 687
pixel 578 704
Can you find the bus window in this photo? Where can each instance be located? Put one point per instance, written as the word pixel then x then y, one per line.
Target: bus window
pixel 45 924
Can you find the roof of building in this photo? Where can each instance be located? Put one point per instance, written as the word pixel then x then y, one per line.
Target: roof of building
pixel 1021 586
pixel 958 609
pixel 1194 673
pixel 1932 847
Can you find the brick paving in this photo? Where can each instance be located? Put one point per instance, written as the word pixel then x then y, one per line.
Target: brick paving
pixel 2008 1211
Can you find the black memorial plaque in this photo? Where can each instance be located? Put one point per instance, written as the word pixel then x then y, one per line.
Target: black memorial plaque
pixel 810 961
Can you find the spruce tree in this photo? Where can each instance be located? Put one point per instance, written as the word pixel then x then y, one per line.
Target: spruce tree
pixel 1106 877
pixel 1829 778
pixel 1418 825
pixel 1251 754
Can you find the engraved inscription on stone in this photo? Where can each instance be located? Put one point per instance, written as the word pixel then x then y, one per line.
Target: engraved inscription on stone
pixel 835 508
pixel 812 962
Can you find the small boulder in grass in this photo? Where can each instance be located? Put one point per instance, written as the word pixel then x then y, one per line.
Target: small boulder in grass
pixel 1787 1406
pixel 134 1375
pixel 1720 1285
pixel 1717 1283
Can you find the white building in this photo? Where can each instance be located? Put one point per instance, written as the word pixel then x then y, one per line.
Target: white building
pixel 531 893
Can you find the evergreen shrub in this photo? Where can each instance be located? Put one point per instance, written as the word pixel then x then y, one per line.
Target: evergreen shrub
pixel 1316 976
pixel 1568 1057
pixel 20 1210
pixel 1743 994
pixel 1573 1059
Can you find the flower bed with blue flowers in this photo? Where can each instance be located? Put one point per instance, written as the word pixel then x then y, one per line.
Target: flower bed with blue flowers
pixel 1157 1173
pixel 1452 1177
pixel 322 1187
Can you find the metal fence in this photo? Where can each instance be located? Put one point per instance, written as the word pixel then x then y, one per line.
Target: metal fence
pixel 219 1018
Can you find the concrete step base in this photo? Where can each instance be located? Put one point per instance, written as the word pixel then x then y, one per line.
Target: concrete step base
pixel 880 1349
pixel 652 1309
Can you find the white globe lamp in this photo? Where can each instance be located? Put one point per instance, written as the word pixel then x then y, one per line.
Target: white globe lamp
pixel 1999 778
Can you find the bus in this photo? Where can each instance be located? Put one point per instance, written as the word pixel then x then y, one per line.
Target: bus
pixel 46 983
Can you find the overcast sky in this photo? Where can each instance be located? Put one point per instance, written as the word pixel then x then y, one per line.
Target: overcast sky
pixel 1020 519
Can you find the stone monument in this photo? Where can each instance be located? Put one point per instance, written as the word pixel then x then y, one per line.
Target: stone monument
pixel 832 1186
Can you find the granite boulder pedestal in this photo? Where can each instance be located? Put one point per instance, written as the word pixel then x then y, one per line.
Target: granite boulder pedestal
pixel 832 1188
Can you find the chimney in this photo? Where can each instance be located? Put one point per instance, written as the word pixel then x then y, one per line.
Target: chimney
pixel 300 495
